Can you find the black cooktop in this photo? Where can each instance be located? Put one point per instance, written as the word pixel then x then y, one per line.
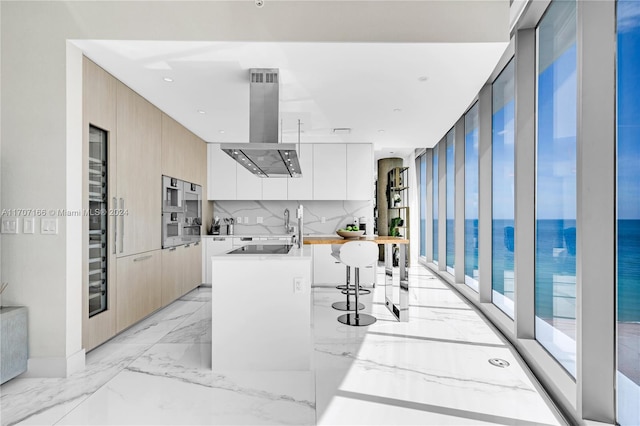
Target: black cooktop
pixel 263 249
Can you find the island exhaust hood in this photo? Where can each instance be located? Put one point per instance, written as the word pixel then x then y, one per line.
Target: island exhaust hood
pixel 263 155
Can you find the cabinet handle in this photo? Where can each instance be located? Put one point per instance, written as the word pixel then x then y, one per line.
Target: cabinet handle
pixel 122 225
pixel 115 225
pixel 172 249
pixel 138 259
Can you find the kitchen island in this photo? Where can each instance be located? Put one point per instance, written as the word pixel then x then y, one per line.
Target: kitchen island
pixel 396 277
pixel 261 308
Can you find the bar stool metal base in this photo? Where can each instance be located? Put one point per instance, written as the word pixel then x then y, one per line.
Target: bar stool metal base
pixel 342 306
pixel 361 321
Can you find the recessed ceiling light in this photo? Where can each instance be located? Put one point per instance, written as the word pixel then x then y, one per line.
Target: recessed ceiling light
pixel 168 79
pixel 201 111
pixel 397 110
pixel 423 78
pixel 381 131
pixel 235 152
pixel 221 131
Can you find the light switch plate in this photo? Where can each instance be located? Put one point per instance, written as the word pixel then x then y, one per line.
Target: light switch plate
pixel 259 219
pixel 298 285
pixel 49 225
pixel 10 225
pixel 238 219
pixel 29 225
pixel 246 220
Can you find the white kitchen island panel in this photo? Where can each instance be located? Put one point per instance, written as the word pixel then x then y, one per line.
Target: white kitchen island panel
pixel 260 320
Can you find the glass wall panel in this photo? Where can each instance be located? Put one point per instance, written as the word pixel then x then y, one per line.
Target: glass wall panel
pixel 422 190
pixel 503 210
pixel 471 197
pixel 555 240
pixel 434 227
pixel 451 191
pixel 628 212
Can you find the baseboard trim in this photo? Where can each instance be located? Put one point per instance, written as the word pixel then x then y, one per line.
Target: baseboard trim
pixel 55 366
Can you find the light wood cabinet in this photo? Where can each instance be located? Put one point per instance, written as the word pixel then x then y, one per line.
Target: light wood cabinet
pixel 174 140
pixel 99 110
pixel 192 267
pixel 359 172
pixel 183 153
pixel 221 174
pixel 173 260
pixel 139 128
pixel 329 171
pixel 302 188
pixel 139 287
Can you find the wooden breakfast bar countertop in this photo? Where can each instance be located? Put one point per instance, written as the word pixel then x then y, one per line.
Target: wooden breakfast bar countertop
pixel 378 239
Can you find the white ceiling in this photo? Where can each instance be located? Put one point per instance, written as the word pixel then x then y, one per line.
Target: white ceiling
pixel 373 88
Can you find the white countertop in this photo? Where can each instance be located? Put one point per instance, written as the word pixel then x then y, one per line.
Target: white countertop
pixel 250 236
pixel 294 253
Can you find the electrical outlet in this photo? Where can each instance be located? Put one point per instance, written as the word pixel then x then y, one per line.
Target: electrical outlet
pixel 259 219
pixel 246 220
pixel 323 219
pixel 238 219
pixel 49 225
pixel 298 285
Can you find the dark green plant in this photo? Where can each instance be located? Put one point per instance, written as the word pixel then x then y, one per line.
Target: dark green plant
pixel 393 226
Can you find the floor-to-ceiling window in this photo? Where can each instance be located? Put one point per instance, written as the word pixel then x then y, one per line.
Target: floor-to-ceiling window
pixel 503 208
pixel 555 195
pixel 628 211
pixel 434 204
pixel 422 190
pixel 451 191
pixel 471 197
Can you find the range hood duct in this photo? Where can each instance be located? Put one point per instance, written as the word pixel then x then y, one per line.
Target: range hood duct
pixel 263 155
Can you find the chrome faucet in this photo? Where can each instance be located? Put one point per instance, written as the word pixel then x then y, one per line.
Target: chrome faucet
pixel 288 228
pixel 300 224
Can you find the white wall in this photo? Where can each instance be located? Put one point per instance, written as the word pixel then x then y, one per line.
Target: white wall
pixel 40 100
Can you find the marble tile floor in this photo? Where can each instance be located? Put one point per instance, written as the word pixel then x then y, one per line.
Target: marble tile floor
pixel 432 370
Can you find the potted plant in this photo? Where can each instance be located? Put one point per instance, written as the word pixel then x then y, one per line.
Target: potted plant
pixel 396 200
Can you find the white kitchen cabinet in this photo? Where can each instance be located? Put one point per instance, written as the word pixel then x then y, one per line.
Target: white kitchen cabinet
pixel 213 246
pixel 302 188
pixel 329 171
pixel 221 174
pixel 359 172
pixel 327 270
pixel 274 188
pixel 249 186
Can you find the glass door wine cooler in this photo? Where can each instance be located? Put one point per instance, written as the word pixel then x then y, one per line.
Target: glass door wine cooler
pixel 98 207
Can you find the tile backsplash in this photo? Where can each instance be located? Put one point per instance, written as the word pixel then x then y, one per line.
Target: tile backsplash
pixel 336 215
